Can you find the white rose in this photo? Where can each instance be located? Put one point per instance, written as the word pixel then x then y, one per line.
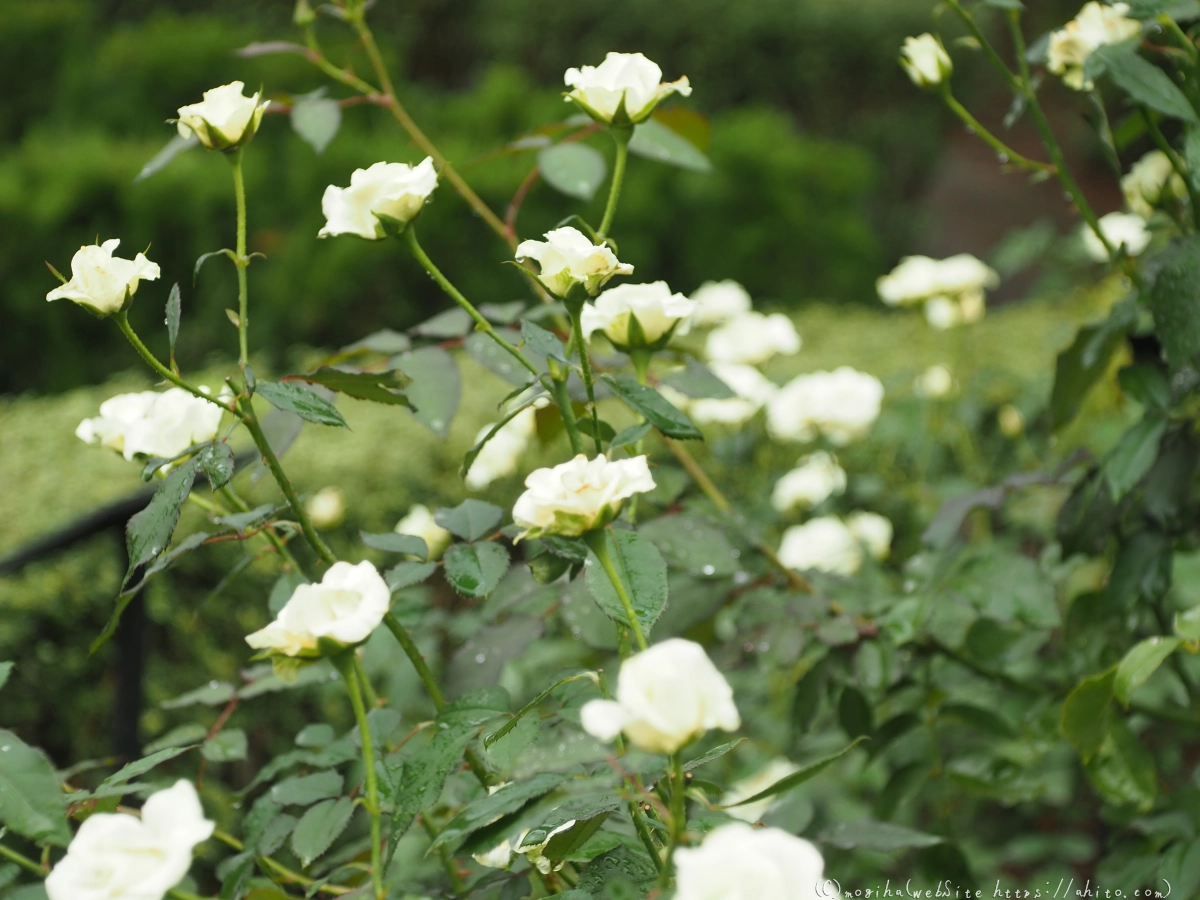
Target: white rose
pixel 934 382
pixel 842 405
pixel 873 531
pixel 1010 420
pixel 718 302
pixel 815 478
pixel 579 495
pixel 152 424
pixel 964 274
pixel 501 456
pixel 628 77
pixel 392 191
pixel 659 312
pixel 1094 26
pixel 103 282
pixel 824 544
pixel 952 289
pixel 913 279
pixel 926 61
pixel 752 338
pixel 223 119
pixel 567 258
pixel 419 522
pixel 738 862
pixel 770 774
pixel 666 696
pixel 1151 181
pixel 344 608
pixel 116 855
pixel 753 390
pixel 1123 230
pixel 327 508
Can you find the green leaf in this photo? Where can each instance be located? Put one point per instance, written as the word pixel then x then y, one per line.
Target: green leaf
pixel 31 801
pixel 205 257
pixel 189 733
pixel 621 865
pixel 174 303
pixel 628 437
pixel 149 531
pixel 714 754
pixel 495 806
pixel 690 542
pixel 474 570
pixel 406 574
pixel 654 407
pixel 160 160
pixel 378 387
pixel 5 670
pixel 470 520
pixel 1142 568
pixel 305 790
pixel 1175 299
pixel 798 777
pixel 385 341
pixel 1140 663
pixel 854 713
pixel 447 325
pixel 1133 455
pixel 485 351
pixel 417 783
pixel 235 873
pixel 319 827
pixel 697 380
pixel 532 705
pixel 1187 624
pixel 542 341
pixel 293 398
pixel 395 542
pixel 215 693
pixel 216 462
pixel 316 118
pixel 1191 152
pixel 436 387
pixel 643 572
pixel 227 746
pixel 982 720
pixel 573 169
pixel 473 453
pixel 141 766
pixel 882 837
pixel 1085 712
pixel 1004 4
pixel 1144 82
pixel 1122 770
pixel 654 140
pixel 1082 364
pixel 1147 384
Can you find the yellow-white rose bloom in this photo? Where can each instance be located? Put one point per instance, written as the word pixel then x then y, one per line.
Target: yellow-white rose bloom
pixel 842 405
pixel 738 862
pixel 345 608
pixel 567 259
pixel 152 423
pixel 925 60
pixel 666 696
pixel 824 544
pixel 628 77
pixel 103 282
pixel 1096 24
pixel 1150 182
pixel 224 118
pixel 751 339
pixel 873 531
pixel 394 191
pixel 952 289
pixel 419 522
pixel 719 301
pixel 1124 231
pixel 116 855
pixel 658 311
pixel 770 774
pixel 501 456
pixel 579 495
pixel 934 383
pixel 815 478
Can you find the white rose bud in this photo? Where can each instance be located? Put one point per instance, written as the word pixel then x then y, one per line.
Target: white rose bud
pixel 623 89
pixel 381 199
pixel 753 390
pixel 660 315
pixel 224 119
pixel 1151 182
pixel 926 61
pixel 934 383
pixel 824 544
pixel 770 774
pixel 738 861
pixel 815 478
pixel 102 282
pixel 579 495
pixel 842 405
pixel 152 424
pixel 419 522
pixel 1095 26
pixel 666 696
pixel 873 531
pixel 119 855
pixel 501 456
pixel 569 262
pixel 343 609
pixel 327 508
pixel 719 301
pixel 1125 231
pixel 751 339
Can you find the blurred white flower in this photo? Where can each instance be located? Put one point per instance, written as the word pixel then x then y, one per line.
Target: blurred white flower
pixel 718 302
pixel 501 456
pixel 824 544
pixel 116 855
pixel 152 424
pixel 1094 26
pixel 627 78
pixel 753 390
pixel 568 259
pixel 1123 230
pixel 942 313
pixel 579 495
pixel 925 60
pixel 1150 182
pixel 952 289
pixel 873 531
pixel 327 508
pixel 347 605
pixel 659 313
pixel 419 522
pixel 383 191
pixel 815 478
pixel 842 405
pixel 738 862
pixel 1010 420
pixel 666 696
pixel 223 119
pixel 103 282
pixel 752 338
pixel 934 383
pixel 770 774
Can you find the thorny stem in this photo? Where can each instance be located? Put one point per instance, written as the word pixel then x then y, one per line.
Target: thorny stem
pixel 277 542
pixel 365 683
pixel 563 399
pixel 345 662
pixel 409 646
pixel 1010 155
pixel 241 262
pixel 122 320
pixel 597 540
pixel 678 822
pixel 585 366
pixel 22 860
